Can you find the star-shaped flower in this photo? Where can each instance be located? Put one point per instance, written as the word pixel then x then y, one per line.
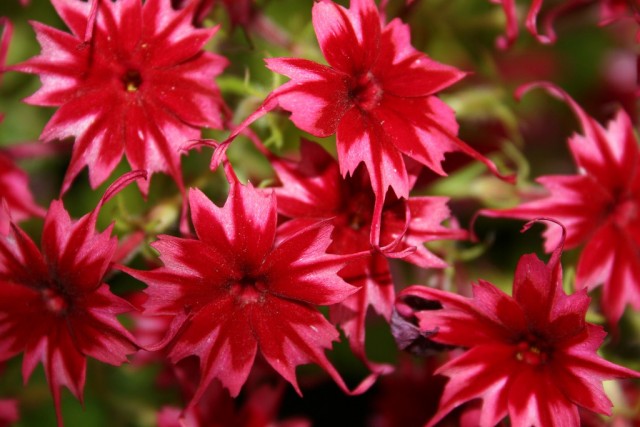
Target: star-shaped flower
pixel 251 289
pixel 600 207
pixel 130 79
pixel 54 306
pixel 378 95
pixel 531 355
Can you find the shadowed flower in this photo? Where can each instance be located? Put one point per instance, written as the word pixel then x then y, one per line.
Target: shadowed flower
pixel 531 355
pixel 600 207
pixel 54 306
pixel 250 288
pixel 131 79
pixel 313 189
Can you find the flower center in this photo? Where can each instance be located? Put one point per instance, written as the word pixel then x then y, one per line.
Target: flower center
pixel 249 290
pixel 359 210
pixel 625 211
pixel 132 80
pixel 54 302
pixel 532 353
pixel 365 91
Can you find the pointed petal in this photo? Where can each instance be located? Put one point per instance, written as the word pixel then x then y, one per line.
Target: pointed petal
pixel 300 269
pixel 316 96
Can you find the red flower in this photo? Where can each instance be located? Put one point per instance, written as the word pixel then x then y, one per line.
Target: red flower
pixel 600 206
pixel 249 288
pixel 130 79
pixel 532 355
pixel 54 306
pixel 313 189
pixel 377 95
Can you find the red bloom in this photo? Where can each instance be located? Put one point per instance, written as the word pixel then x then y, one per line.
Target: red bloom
pixel 377 95
pixel 130 79
pixel 532 355
pixel 54 306
pixel 249 288
pixel 313 189
pixel 600 206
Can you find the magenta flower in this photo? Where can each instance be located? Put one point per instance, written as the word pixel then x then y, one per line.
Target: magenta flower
pixel 54 306
pixel 377 95
pixel 313 189
pixel 531 356
pixel 131 79
pixel 250 288
pixel 599 206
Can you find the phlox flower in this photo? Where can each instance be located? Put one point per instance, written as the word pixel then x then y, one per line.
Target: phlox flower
pixel 130 79
pixel 243 288
pixel 599 205
pixel 531 356
pixel 54 306
pixel 377 95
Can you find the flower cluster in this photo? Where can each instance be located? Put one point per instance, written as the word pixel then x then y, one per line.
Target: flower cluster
pixel 327 228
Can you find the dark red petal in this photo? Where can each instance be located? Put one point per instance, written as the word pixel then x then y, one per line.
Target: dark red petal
pixel 622 286
pixel 292 334
pixel 499 307
pixel 77 256
pixel 196 282
pixel 360 140
pixel 245 225
pixel 453 320
pixel 347 46
pixel 74 14
pixel 427 214
pixel 22 316
pixel 412 74
pixel 310 188
pixel 97 332
pixel 300 269
pixel 408 125
pixel 64 365
pixel 170 35
pixel 535 289
pixel 21 261
pixel 582 390
pixel 221 334
pixel 317 96
pixel 535 399
pixel 596 259
pixel 482 372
